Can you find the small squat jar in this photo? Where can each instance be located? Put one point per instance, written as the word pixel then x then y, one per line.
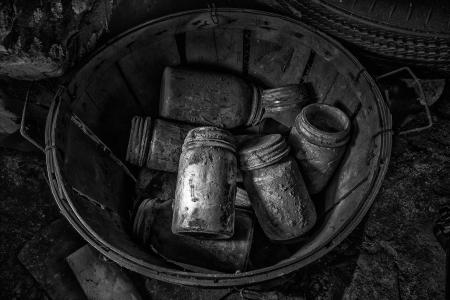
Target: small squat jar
pixel 206 185
pixel 157 144
pixel 319 138
pixel 276 188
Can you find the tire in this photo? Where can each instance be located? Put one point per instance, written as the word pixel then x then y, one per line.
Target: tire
pixel 413 33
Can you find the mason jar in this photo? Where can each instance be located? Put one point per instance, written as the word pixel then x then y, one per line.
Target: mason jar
pixel 319 138
pixel 224 100
pixel 276 188
pixel 206 185
pixel 157 144
pixel 151 226
pixel 283 104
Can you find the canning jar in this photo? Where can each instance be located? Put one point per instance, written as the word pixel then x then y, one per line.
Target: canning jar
pixel 276 188
pixel 319 138
pixel 156 145
pixel 283 105
pixel 223 100
pixel 206 185
pixel 151 226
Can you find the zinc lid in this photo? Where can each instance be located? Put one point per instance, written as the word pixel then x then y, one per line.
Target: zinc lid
pixel 262 151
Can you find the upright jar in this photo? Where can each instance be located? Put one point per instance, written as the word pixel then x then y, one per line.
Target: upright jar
pixel 151 226
pixel 206 185
pixel 283 105
pixel 223 100
pixel 319 138
pixel 276 188
pixel 156 145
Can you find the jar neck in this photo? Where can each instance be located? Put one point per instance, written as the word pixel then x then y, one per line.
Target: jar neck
pixel 189 145
pixel 208 136
pixel 263 151
pixel 284 98
pixel 257 111
pixel 321 137
pixel 139 140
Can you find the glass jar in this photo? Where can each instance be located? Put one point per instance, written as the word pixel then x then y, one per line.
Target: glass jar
pixel 151 226
pixel 156 145
pixel 208 98
pixel 283 105
pixel 276 188
pixel 319 138
pixel 206 185
pixel 225 100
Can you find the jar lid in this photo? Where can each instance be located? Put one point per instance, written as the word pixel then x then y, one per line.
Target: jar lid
pixel 285 97
pixel 262 151
pixel 323 125
pixel 209 136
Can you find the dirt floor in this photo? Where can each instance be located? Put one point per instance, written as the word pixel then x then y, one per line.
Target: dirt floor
pixel 392 254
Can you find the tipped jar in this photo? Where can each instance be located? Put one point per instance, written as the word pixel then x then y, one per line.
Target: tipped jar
pixel 276 188
pixel 157 144
pixel 206 185
pixel 319 138
pixel 223 100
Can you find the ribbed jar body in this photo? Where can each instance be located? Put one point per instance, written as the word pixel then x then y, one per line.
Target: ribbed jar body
pixel 319 139
pixel 276 189
pixel 206 185
pixel 208 98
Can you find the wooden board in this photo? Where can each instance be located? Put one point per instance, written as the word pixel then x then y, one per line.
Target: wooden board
pixel 276 59
pixel 99 278
pixel 44 257
pixel 218 47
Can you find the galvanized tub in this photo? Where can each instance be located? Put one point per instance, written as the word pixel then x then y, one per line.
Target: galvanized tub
pixel 122 79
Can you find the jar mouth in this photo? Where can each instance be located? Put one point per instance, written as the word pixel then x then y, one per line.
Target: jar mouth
pixel 326 123
pixel 262 151
pixel 209 136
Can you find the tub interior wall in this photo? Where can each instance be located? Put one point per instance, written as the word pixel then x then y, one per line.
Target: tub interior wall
pixel 126 82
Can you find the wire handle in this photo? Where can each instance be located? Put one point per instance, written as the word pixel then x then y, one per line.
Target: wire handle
pixel 421 97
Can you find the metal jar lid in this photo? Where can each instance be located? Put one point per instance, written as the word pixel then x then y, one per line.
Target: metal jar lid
pixel 285 97
pixel 209 136
pixel 262 151
pixel 323 125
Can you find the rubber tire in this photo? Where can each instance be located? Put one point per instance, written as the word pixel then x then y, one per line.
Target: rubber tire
pixel 413 33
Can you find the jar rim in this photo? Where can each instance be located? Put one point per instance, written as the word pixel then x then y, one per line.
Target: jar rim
pixel 209 136
pixel 324 124
pixel 262 151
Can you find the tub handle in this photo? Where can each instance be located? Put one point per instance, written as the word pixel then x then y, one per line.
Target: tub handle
pixel 421 97
pixel 24 127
